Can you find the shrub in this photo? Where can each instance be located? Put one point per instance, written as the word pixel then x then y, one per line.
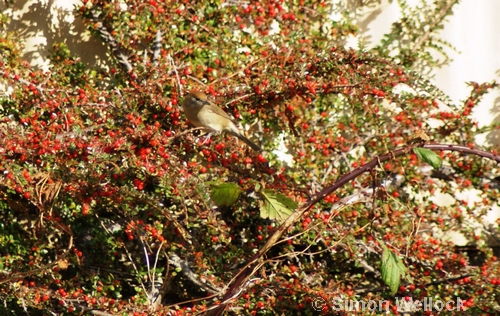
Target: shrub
pixel 111 202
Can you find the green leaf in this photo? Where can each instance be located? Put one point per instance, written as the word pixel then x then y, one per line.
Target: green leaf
pixel 257 187
pixel 276 205
pixel 392 269
pixel 224 194
pixel 428 156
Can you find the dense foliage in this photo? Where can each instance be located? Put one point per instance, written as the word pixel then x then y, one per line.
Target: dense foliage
pixel 111 201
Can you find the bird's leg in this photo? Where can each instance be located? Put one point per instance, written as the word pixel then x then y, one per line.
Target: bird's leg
pixel 207 138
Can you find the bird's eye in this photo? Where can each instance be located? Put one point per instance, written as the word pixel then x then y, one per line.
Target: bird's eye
pixel 199 99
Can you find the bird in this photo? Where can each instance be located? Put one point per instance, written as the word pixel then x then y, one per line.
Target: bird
pixel 203 113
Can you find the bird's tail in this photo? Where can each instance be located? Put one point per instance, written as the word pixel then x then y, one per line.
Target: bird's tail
pixel 248 142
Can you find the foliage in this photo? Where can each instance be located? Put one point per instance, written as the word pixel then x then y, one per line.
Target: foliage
pixel 392 269
pixel 110 201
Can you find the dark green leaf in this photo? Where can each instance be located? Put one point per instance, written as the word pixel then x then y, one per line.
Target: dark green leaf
pixel 391 268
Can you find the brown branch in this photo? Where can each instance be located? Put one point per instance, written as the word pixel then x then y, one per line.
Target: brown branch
pixel 157 47
pixel 113 44
pixel 238 71
pixel 14 77
pixel 251 267
pixel 60 260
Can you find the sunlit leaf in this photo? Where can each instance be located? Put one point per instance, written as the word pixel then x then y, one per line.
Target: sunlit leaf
pixel 276 205
pixel 224 194
pixel 428 156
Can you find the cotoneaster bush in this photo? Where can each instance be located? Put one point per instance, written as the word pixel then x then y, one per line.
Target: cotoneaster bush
pixel 107 191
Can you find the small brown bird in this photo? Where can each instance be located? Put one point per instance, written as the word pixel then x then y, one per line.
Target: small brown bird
pixel 203 113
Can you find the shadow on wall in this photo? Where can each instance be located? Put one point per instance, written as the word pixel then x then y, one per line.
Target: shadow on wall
pixel 366 24
pixel 41 24
pixel 493 137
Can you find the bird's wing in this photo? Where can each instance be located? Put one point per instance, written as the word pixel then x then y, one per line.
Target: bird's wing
pixel 216 110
